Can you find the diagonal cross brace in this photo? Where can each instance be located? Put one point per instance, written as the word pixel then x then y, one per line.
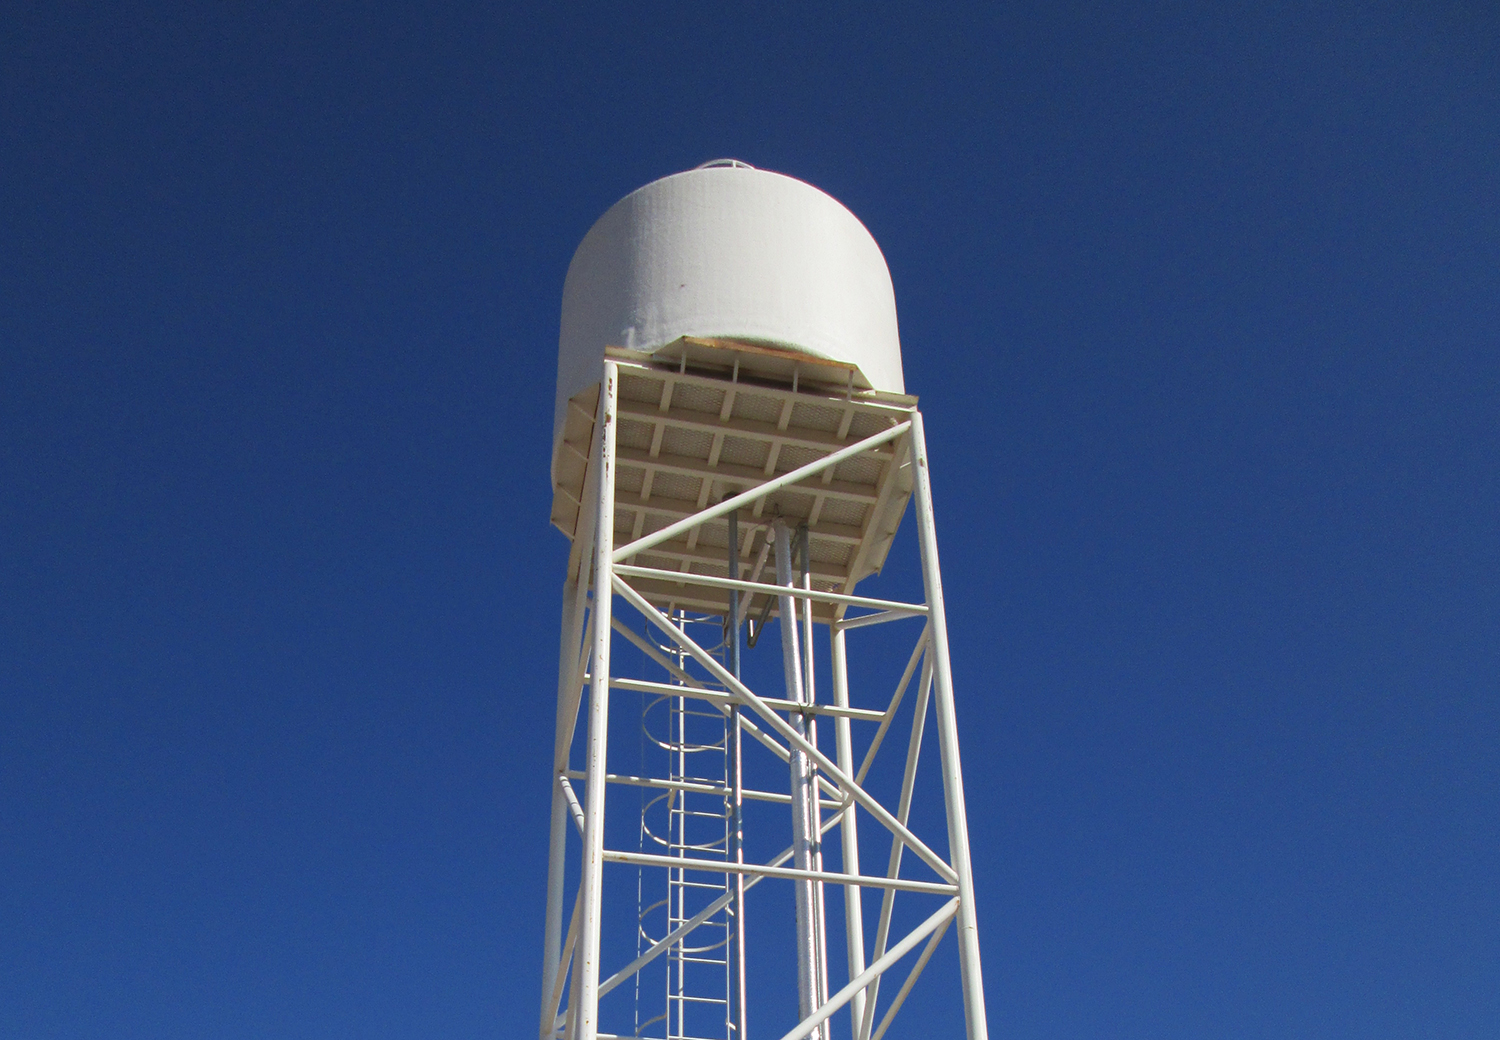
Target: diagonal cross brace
pixel 745 724
pixel 786 732
pixel 824 1013
pixel 703 915
pixel 760 491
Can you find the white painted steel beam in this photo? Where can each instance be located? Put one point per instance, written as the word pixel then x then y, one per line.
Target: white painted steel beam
pixel 749 429
pixel 572 959
pixel 691 683
pixel 550 1009
pixel 816 596
pixel 854 918
pixel 719 866
pixel 575 609
pixel 810 696
pixel 759 492
pixel 953 784
pixel 780 726
pixel 804 794
pixel 681 509
pixel 874 971
pixel 723 696
pixel 685 785
pixel 584 993
pixel 890 711
pixel 662 945
pixel 728 473
pixel 903 813
pixel 887 490
pixel 866 620
pixel 911 979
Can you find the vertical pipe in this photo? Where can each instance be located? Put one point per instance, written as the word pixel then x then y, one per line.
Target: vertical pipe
pixel 814 808
pixel 953 789
pixel 804 837
pixel 854 921
pixel 809 686
pixel 585 993
pixel 736 784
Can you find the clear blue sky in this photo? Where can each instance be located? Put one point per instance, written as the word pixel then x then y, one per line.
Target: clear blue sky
pixel 1203 306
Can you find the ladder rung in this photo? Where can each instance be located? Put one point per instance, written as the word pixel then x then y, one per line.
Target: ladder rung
pixel 694 745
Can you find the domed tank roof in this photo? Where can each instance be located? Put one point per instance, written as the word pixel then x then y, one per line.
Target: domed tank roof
pixel 728 252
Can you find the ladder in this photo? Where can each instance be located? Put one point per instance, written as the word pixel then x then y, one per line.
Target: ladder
pixel 691 740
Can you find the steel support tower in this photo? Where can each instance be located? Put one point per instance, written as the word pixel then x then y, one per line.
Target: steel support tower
pixel 690 489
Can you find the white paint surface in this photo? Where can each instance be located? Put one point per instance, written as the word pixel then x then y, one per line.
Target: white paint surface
pixel 728 252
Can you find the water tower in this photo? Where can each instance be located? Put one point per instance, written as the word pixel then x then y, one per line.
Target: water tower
pixel 733 450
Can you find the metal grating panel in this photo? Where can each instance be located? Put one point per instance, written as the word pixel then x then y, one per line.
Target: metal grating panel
pixel 639 389
pixel 792 457
pixel 742 451
pixel 817 417
pixel 684 489
pixel 866 424
pixel 628 480
pixel 759 407
pixel 693 398
pixel 852 511
pixel 694 444
pixel 836 511
pixel 859 470
pixel 633 434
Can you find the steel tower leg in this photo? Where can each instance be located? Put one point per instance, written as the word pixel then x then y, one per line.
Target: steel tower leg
pixel 569 666
pixel 815 811
pixel 854 922
pixel 601 574
pixel 558 843
pixel 805 809
pixel 953 788
pixel 584 1002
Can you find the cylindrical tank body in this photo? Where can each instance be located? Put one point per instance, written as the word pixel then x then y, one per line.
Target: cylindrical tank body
pixel 728 252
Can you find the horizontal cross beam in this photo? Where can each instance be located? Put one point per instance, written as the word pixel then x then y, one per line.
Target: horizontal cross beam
pixel 687 578
pixel 722 696
pixel 784 730
pixel 722 866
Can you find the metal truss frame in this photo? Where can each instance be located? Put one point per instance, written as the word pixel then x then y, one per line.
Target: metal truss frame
pixel 602 574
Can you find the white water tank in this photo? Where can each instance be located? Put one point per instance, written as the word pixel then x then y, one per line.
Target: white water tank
pixel 728 252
